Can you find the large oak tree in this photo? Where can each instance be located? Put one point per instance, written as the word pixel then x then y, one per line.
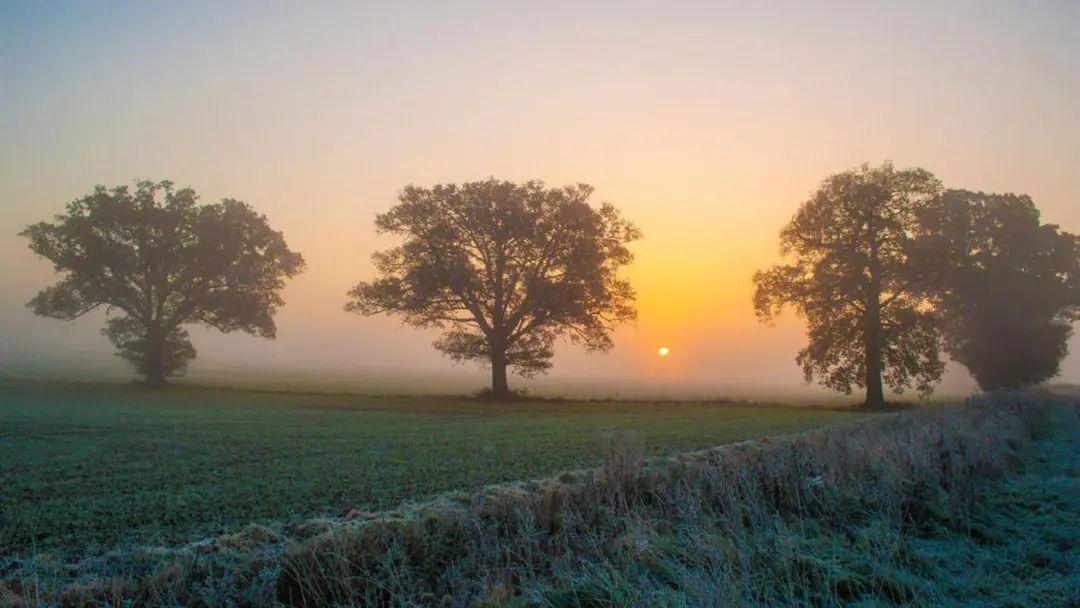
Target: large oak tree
pixel 849 276
pixel 158 260
pixel 1006 286
pixel 505 269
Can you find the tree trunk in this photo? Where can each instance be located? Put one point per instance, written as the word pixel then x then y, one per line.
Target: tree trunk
pixel 154 356
pixel 875 397
pixel 500 389
pixel 872 334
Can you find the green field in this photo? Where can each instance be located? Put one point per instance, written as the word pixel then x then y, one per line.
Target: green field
pixel 91 467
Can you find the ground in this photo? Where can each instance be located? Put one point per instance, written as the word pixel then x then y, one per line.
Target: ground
pixel 1023 548
pixel 1019 546
pixel 92 467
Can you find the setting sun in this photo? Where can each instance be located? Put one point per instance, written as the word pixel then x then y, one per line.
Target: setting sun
pixel 368 274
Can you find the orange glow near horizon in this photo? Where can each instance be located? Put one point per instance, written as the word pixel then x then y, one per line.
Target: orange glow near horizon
pixel 706 126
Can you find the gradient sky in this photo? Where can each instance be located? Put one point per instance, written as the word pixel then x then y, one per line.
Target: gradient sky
pixel 706 123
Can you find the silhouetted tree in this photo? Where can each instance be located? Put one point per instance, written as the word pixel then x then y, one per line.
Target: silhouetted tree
pixel 504 269
pixel 1006 287
pixel 162 261
pixel 850 279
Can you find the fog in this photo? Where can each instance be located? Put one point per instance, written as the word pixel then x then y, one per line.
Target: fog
pixel 706 125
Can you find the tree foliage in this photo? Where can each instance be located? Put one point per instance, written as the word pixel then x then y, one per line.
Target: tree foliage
pixel 504 269
pixel 850 277
pixel 132 345
pixel 159 260
pixel 1006 287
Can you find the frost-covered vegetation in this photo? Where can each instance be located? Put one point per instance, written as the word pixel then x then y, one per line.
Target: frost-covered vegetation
pixel 85 468
pixel 977 503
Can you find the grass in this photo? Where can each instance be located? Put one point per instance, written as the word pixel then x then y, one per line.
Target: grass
pixel 87 468
pixel 1021 545
pixel 965 506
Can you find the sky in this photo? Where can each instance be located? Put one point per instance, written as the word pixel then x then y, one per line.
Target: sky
pixel 707 124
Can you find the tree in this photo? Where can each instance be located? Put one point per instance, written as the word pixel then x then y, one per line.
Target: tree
pixel 850 278
pixel 162 261
pixel 504 269
pixel 1006 287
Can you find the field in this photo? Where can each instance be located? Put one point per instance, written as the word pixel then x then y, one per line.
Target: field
pixel 85 468
pixel 977 505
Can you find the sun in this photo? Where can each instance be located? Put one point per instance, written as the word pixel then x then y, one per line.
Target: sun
pixel 664 351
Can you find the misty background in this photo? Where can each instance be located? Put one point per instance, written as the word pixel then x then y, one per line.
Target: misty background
pixel 706 124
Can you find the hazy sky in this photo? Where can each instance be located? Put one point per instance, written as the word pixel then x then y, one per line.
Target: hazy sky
pixel 706 123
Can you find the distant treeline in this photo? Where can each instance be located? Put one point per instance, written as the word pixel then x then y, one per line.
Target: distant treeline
pixel 888 268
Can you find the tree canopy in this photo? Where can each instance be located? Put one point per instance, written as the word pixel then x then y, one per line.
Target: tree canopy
pixel 157 260
pixel 1005 286
pixel 504 269
pixel 849 276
